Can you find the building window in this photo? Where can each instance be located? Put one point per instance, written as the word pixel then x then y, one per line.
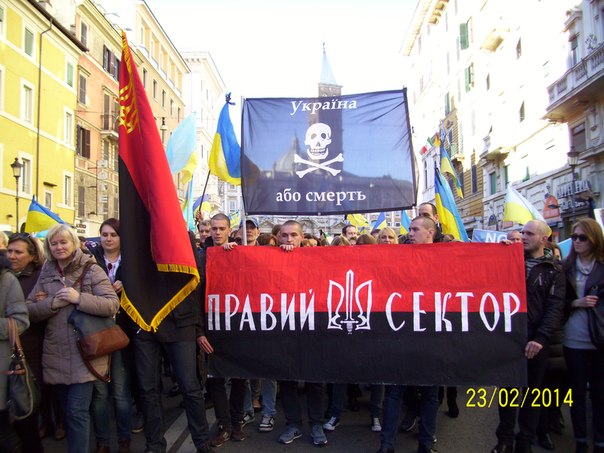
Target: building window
pixel 67 190
pixel 2 20
pixel 116 207
pixel 519 48
pixel 178 114
pixel 27 103
pixel 469 77
pixel 69 71
pixel 521 113
pixel 163 98
pixel 82 90
pixel 105 150
pixel 26 175
pixel 84 33
pixel 426 174
pixel 506 176
pixel 474 179
pixel 447 104
pixel 1 88
pixel 68 133
pixel 116 159
pixel 83 142
pixel 145 78
pixel 171 107
pixel 492 183
pixel 465 34
pixel 574 50
pixel 28 42
pixel 578 137
pixel 111 63
pixel 48 199
pixel 81 201
pixel 155 89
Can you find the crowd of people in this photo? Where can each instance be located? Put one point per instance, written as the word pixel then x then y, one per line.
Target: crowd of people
pixel 42 284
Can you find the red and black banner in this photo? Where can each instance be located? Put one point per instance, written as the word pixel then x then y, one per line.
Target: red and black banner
pixel 448 314
pixel 159 268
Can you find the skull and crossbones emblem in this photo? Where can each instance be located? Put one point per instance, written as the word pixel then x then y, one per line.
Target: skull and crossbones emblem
pixel 318 139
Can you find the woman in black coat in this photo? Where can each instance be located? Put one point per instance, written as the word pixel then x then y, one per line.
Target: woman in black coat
pixel 585 360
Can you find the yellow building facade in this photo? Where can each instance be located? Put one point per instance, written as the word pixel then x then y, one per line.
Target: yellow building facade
pixel 38 103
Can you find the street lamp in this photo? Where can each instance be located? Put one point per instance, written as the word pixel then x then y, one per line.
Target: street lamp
pixel 573 160
pixel 17 167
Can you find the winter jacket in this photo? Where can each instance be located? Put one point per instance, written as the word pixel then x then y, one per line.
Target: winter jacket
pixel 61 360
pixel 33 338
pixel 12 305
pixel 545 291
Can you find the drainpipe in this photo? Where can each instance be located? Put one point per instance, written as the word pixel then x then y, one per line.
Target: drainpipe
pixel 39 102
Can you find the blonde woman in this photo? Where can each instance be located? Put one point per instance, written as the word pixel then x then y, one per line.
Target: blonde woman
pixel 54 297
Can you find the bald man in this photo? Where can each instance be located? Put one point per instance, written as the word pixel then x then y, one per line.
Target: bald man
pixel 545 293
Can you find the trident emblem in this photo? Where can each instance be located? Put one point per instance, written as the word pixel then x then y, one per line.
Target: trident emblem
pixel 349 299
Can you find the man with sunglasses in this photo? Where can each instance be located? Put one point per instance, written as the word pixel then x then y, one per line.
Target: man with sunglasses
pixel 545 291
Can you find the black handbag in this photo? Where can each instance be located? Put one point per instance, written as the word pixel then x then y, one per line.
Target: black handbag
pixel 595 317
pixel 23 388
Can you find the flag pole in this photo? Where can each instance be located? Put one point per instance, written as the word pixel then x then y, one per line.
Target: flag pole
pixel 203 193
pixel 242 220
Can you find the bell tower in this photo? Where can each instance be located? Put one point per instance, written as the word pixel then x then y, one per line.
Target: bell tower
pixel 328 87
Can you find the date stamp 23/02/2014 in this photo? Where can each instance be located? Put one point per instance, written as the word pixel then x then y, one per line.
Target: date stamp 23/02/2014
pixel 485 397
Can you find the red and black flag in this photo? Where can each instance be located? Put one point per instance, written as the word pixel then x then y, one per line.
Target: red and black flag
pixel 453 314
pixel 159 266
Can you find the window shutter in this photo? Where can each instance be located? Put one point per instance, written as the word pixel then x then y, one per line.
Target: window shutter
pixel 463 36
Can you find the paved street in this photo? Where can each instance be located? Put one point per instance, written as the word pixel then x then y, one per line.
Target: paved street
pixel 472 432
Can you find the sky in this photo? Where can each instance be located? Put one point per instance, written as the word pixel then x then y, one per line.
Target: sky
pixel 274 48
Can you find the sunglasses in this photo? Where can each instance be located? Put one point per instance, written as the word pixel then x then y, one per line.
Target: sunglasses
pixel 580 237
pixel 23 236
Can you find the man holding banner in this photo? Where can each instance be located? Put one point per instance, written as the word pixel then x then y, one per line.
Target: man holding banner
pixel 290 238
pixel 229 410
pixel 421 231
pixel 545 292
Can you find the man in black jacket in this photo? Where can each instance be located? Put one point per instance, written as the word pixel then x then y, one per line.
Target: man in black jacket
pixel 545 290
pixel 178 334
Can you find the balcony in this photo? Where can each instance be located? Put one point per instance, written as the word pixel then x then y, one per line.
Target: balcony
pixel 496 146
pixel 109 128
pixel 456 155
pixel 571 93
pixel 493 25
pixel 494 37
pixel 437 12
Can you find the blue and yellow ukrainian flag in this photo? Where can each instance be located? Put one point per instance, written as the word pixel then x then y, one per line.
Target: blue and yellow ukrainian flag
pixel 405 223
pixel 446 166
pixel 380 222
pixel 203 204
pixel 448 215
pixel 40 218
pixel 235 219
pixel 225 155
pixel 181 148
pixel 358 220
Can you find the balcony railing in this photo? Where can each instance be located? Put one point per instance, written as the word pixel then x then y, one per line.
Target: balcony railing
pixel 588 68
pixel 109 122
